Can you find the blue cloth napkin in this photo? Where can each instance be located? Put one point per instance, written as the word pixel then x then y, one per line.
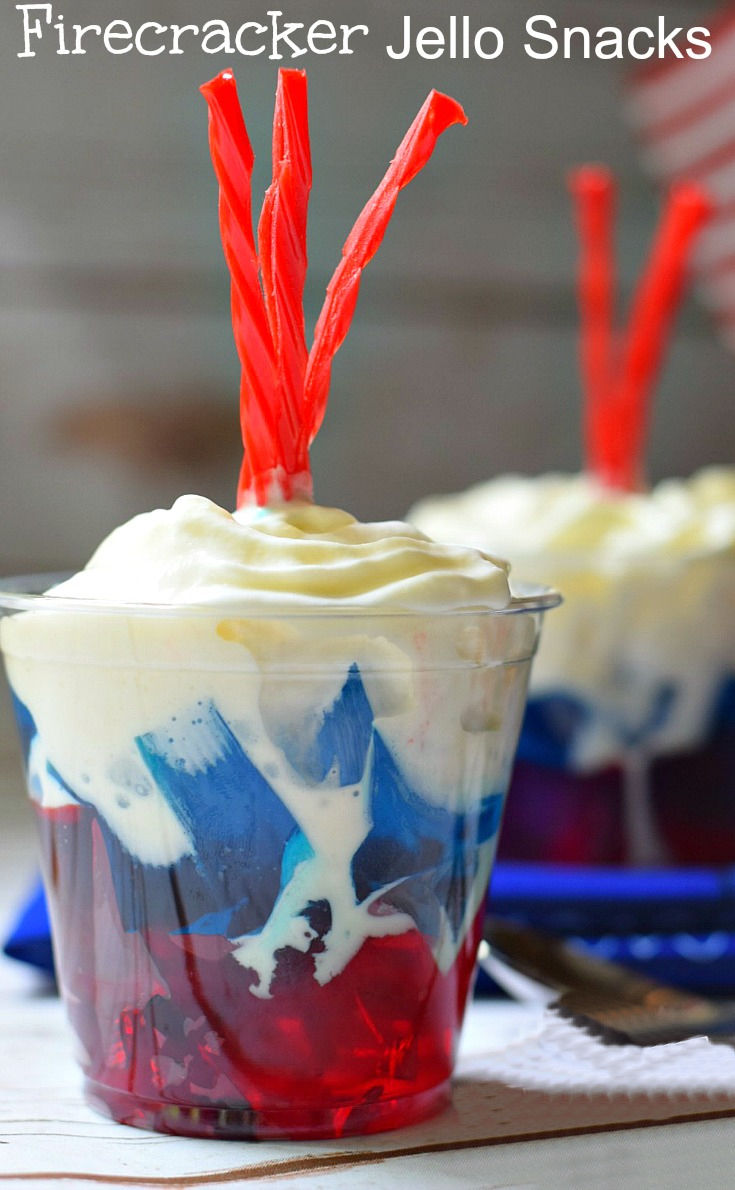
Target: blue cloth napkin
pixel 676 924
pixel 30 937
pixel 672 924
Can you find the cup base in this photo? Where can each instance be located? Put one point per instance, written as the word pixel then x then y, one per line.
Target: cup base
pixel 282 1123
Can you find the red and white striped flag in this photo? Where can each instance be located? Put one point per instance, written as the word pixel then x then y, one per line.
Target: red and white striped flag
pixel 683 112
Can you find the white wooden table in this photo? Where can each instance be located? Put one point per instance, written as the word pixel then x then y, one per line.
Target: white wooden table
pixel 512 1072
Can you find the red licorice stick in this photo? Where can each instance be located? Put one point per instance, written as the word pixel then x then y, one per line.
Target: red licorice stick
pixel 652 313
pixel 232 158
pixel 283 260
pixel 283 392
pixel 438 113
pixel 593 190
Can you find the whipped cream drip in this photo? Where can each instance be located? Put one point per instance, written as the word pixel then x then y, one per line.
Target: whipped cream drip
pixel 648 581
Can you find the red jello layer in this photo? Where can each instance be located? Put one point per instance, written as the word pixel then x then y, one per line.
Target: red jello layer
pixel 557 816
pixel 175 1039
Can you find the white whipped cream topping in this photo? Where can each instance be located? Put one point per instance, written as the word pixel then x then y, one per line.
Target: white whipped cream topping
pixel 648 581
pixel 551 516
pixel 294 556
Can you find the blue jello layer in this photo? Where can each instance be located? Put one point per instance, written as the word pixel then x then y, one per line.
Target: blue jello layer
pixel 416 857
pixel 553 723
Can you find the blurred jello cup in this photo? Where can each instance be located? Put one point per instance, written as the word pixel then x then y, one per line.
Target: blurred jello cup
pixel 266 844
pixel 627 751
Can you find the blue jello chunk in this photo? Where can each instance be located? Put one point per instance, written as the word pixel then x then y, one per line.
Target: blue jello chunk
pixel 406 824
pixel 221 798
pixel 344 737
pixel 221 922
pixel 550 727
pixel 431 851
pixel 238 919
pixel 552 723
pixel 416 896
pixel 165 898
pixel 240 827
pixel 453 882
pixel 491 813
pixel 297 849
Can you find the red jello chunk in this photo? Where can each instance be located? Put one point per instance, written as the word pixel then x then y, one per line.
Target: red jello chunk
pixel 174 1039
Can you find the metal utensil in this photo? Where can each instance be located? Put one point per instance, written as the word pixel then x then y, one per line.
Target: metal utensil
pixel 531 965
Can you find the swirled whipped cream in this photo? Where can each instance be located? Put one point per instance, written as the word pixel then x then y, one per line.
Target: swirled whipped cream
pixel 645 638
pixel 559 515
pixel 294 557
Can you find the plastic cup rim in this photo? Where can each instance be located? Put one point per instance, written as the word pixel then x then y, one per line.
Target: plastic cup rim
pixel 29 592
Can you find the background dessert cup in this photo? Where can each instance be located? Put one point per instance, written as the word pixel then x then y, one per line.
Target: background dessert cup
pixel 622 757
pixel 629 733
pixel 267 840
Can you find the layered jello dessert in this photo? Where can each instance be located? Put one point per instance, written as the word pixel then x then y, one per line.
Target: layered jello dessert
pixel 627 753
pixel 630 726
pixel 268 750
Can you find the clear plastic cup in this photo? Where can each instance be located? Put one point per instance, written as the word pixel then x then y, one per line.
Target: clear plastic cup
pixel 266 845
